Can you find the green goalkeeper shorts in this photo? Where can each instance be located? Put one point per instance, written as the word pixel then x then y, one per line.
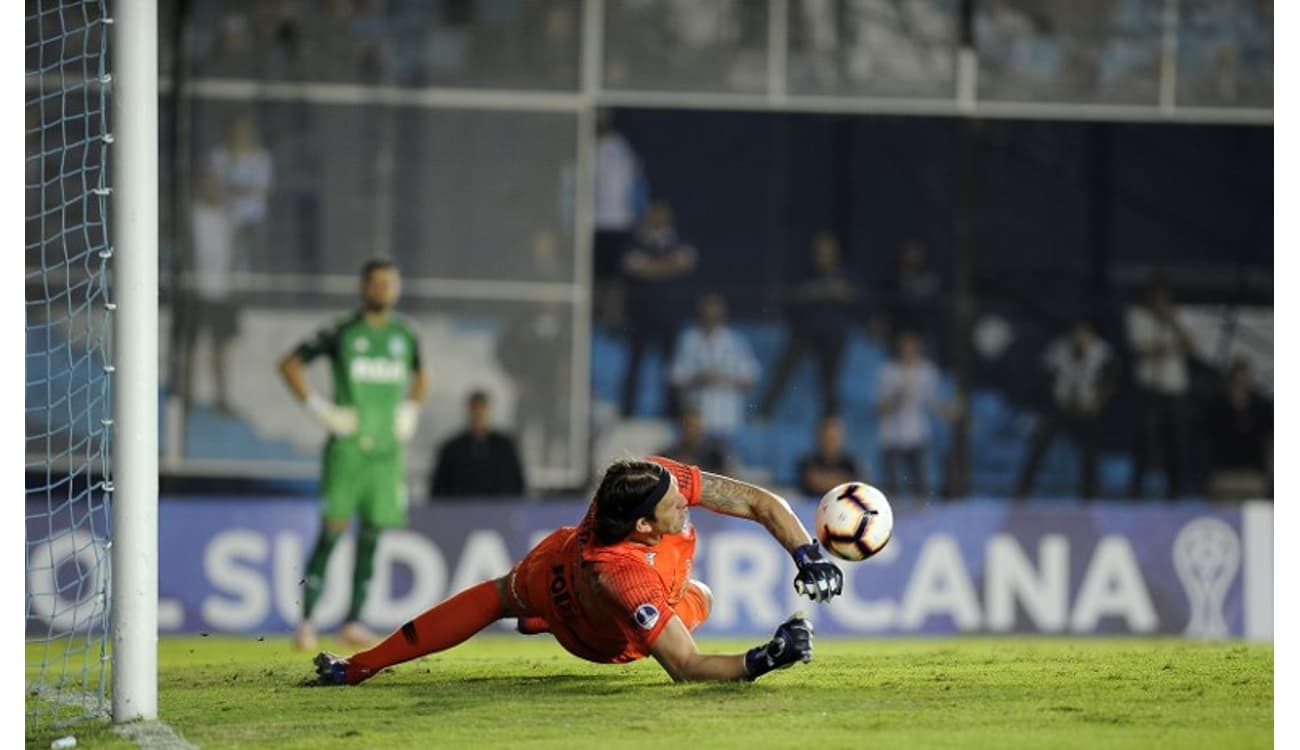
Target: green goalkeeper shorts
pixel 371 486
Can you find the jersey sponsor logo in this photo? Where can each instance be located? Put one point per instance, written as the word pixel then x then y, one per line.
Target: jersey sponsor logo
pixel 560 595
pixel 361 345
pixel 646 616
pixel 396 346
pixel 376 370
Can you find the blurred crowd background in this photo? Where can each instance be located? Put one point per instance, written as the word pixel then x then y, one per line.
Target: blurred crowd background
pixel 998 248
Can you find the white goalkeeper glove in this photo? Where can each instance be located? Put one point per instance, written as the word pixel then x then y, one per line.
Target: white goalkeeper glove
pixel 339 420
pixel 405 420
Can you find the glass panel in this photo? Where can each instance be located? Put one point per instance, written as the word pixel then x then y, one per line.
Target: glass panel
pixel 494 44
pixel 1225 53
pixel 873 47
pixel 1069 51
pixel 686 45
pixel 447 193
pixel 519 353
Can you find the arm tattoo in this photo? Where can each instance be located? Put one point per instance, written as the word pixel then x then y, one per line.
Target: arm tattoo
pixel 744 500
pixel 729 496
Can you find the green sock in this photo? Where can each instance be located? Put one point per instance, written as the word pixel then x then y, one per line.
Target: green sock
pixel 315 580
pixel 362 570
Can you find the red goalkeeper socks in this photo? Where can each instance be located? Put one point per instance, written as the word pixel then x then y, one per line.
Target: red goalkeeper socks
pixel 437 629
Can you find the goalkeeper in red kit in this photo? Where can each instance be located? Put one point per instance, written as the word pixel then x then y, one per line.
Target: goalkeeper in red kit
pixel 617 587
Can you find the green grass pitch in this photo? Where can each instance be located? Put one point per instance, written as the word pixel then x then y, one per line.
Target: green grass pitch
pixel 512 691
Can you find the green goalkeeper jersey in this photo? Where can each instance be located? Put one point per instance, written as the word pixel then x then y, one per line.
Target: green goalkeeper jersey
pixel 372 366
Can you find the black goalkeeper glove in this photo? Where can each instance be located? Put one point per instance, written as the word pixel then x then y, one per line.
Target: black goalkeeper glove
pixel 793 642
pixel 818 578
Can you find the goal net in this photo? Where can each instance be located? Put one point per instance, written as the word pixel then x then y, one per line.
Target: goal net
pixel 68 326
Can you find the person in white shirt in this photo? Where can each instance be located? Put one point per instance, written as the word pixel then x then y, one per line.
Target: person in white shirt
pixel 617 173
pixel 619 185
pixel 243 167
pixel 211 307
pixel 714 367
pixel 907 395
pixel 1161 345
pixel 1080 364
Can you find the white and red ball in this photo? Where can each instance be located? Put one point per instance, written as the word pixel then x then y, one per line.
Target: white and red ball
pixel 854 521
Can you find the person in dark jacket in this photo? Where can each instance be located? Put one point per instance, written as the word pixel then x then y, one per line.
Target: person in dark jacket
pixel 1241 439
pixel 480 461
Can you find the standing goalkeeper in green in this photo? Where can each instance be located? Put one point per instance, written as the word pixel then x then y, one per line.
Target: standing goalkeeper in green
pixel 378 386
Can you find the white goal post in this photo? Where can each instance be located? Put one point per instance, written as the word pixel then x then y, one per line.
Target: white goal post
pixel 134 233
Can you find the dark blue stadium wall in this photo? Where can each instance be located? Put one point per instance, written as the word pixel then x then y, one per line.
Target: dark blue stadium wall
pixel 1070 207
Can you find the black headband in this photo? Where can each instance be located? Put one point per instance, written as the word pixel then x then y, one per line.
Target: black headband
pixel 647 506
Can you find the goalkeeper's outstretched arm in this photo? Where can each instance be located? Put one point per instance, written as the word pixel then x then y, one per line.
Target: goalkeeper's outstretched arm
pixel 732 497
pixel 676 652
pixel 818 579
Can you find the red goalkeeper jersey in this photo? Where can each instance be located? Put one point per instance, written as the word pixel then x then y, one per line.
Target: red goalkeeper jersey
pixel 608 603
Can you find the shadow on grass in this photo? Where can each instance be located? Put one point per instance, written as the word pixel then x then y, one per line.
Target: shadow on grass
pixel 428 683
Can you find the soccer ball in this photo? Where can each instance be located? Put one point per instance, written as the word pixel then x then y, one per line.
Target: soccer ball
pixel 854 521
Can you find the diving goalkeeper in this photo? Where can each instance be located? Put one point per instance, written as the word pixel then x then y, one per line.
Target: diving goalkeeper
pixel 617 587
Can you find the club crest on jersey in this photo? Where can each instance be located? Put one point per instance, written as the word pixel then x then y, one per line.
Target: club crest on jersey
pixel 650 557
pixel 361 345
pixel 396 346
pixel 646 616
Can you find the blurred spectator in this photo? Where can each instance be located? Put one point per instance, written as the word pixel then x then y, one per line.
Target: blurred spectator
pixel 281 26
pixel 1241 434
pixel 1162 346
pixel 211 307
pixel 1128 59
pixel 698 31
pixel 1017 49
pixel 243 167
pixel 901 45
pixel 448 42
pixel 1225 53
pixel 654 264
pixel 369 29
pixel 330 45
pixel 820 312
pixel 620 190
pixel 233 50
pixel 343 41
pixel 814 43
pixel 695 446
pixel 914 290
pixel 828 465
pixel 555 49
pixel 479 461
pixel 1106 50
pixel 908 394
pixel 1082 381
pixel 713 368
pixel 685 45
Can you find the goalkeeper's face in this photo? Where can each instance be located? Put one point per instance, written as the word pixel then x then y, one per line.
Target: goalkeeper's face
pixel 670 514
pixel 380 290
